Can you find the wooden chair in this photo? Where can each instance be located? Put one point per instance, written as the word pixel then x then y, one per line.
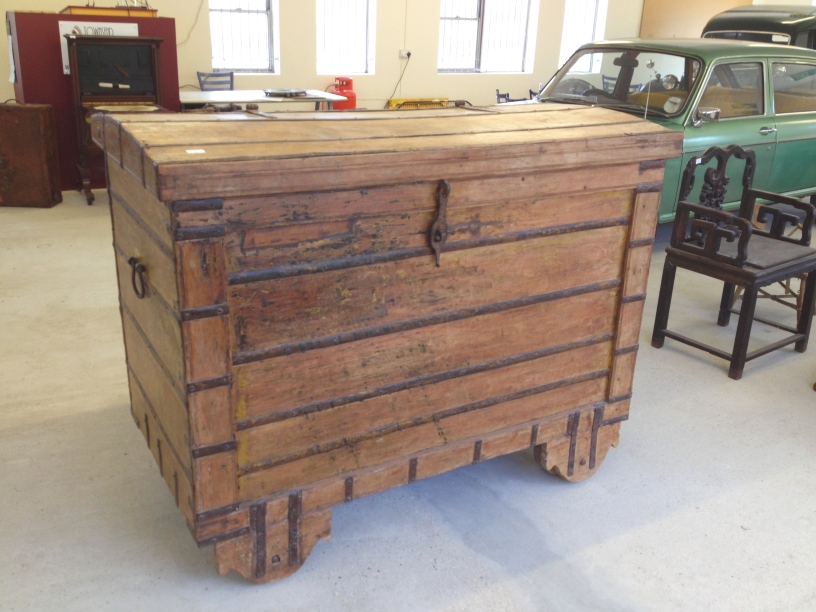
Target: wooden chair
pixel 216 81
pixel 712 242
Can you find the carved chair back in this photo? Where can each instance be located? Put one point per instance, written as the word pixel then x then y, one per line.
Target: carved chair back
pixel 700 228
pixel 715 180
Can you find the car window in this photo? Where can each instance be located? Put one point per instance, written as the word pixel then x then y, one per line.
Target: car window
pixel 736 89
pixel 640 81
pixel 794 88
pixel 802 40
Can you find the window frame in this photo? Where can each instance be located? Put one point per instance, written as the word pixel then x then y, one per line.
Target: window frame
pixel 273 33
pixel 595 38
pixel 371 45
pixel 801 61
pixel 477 69
pixel 707 78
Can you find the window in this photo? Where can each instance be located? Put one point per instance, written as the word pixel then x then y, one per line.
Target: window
pixel 244 35
pixel 346 36
pixel 487 35
pixel 584 22
pixel 736 89
pixel 794 87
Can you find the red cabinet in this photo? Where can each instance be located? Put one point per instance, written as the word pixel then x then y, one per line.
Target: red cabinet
pixel 40 79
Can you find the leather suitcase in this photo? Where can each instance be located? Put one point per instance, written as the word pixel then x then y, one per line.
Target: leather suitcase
pixel 29 164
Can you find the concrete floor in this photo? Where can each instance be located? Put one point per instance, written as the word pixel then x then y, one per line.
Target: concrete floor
pixel 707 504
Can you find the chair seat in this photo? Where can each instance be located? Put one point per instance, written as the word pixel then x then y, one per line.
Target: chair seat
pixel 764 252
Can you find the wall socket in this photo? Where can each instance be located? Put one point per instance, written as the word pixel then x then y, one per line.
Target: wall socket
pixel 405 54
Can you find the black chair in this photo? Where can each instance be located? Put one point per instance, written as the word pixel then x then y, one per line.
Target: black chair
pixel 501 98
pixel 216 81
pixel 707 240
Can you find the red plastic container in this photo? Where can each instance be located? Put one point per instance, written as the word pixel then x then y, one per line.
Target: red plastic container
pixel 344 86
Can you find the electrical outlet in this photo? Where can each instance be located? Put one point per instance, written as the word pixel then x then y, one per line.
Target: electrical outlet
pixel 405 54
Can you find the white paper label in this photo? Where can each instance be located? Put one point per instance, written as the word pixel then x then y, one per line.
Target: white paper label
pixel 12 73
pixel 196 151
pixel 91 28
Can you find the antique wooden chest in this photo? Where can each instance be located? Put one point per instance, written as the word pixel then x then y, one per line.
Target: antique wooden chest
pixel 29 164
pixel 317 307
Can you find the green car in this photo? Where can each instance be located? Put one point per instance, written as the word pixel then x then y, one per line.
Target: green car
pixel 717 92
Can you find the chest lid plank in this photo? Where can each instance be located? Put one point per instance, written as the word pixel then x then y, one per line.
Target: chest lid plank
pixel 200 156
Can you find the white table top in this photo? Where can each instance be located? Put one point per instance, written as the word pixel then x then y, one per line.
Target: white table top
pixel 252 96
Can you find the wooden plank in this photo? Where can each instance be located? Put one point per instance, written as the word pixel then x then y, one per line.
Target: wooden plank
pixel 312 306
pixel 151 211
pixel 112 138
pixel 629 321
pixel 349 115
pixel 132 155
pixel 291 435
pixel 644 214
pixel 324 496
pixel 158 135
pixel 381 480
pixel 170 465
pixel 157 321
pixel 617 410
pixel 265 215
pixel 329 235
pixel 221 525
pixel 159 391
pixel 215 481
pixel 623 372
pixel 211 416
pixel 443 461
pixel 504 443
pixel 371 452
pixel 299 379
pixel 224 150
pixel 132 240
pixel 201 271
pixel 636 274
pixel 206 347
pixel 211 177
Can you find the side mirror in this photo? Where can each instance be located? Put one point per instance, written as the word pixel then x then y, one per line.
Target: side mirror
pixel 705 114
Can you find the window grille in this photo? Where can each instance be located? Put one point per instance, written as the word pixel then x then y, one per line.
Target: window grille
pixel 244 35
pixel 346 42
pixel 584 22
pixel 487 35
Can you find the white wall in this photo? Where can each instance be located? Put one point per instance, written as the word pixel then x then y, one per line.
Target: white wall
pixel 401 24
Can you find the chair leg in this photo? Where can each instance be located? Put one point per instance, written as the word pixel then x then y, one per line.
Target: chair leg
pixel 664 304
pixel 726 305
pixel 746 321
pixel 808 292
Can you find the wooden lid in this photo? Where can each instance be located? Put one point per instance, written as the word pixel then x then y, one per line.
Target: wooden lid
pixel 191 155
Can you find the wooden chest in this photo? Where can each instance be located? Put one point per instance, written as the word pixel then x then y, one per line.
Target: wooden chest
pixel 29 165
pixel 317 307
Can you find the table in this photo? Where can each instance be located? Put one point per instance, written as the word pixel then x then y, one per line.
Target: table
pixel 253 96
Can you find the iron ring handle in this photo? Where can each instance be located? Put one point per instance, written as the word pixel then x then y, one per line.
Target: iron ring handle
pixel 138 270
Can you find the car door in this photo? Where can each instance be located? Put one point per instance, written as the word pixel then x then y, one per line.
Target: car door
pixel 793 89
pixel 739 89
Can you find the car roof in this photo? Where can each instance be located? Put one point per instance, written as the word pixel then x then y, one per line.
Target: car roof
pixel 785 19
pixel 707 48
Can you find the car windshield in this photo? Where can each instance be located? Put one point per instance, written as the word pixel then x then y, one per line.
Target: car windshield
pixel 634 80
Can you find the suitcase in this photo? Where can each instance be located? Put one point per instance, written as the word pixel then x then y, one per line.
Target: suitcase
pixel 321 306
pixel 29 163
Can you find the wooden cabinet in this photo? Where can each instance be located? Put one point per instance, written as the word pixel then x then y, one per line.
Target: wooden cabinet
pixel 335 305
pixel 29 164
pixel 109 71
